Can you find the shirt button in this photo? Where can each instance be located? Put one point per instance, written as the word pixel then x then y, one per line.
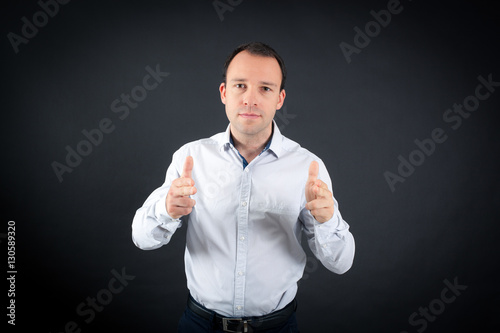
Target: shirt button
pixel 242 238
pixel 238 307
pixel 244 203
pixel 240 273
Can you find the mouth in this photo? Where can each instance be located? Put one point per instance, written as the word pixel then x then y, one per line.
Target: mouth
pixel 249 115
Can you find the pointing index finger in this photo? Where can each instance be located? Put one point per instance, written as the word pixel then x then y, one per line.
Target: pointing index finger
pixel 188 167
pixel 313 171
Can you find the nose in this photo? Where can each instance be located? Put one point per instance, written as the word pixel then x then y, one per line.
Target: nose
pixel 250 98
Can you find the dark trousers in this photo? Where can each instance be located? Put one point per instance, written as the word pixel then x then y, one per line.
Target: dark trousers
pixel 190 322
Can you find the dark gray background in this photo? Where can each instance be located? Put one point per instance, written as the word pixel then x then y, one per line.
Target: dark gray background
pixel 441 223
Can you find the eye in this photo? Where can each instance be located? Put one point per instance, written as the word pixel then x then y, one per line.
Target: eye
pixel 266 88
pixel 240 85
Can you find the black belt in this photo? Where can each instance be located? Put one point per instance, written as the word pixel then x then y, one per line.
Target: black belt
pixel 247 324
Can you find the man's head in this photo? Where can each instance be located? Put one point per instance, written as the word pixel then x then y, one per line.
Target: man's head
pixel 257 49
pixel 253 89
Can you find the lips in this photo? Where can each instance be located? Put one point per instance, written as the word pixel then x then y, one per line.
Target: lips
pixel 249 115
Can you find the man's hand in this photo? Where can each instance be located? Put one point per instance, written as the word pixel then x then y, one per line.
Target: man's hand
pixel 319 198
pixel 178 201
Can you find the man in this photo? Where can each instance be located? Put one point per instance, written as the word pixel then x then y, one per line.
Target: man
pixel 247 195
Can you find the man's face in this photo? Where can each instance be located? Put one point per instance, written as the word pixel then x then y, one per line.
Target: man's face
pixel 252 93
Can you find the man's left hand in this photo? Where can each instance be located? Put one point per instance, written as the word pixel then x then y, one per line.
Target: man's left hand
pixel 318 196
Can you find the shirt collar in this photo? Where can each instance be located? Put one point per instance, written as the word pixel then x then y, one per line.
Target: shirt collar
pixel 276 140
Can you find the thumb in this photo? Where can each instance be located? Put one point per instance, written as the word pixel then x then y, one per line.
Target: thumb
pixel 187 168
pixel 313 172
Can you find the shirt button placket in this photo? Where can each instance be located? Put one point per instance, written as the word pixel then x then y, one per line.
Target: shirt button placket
pixel 242 245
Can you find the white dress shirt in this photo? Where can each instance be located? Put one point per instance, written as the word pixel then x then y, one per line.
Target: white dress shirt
pixel 243 253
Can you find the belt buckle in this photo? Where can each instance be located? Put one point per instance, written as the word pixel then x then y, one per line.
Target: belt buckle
pixel 225 322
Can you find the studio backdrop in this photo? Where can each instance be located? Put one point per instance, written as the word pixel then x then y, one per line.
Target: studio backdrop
pixel 399 98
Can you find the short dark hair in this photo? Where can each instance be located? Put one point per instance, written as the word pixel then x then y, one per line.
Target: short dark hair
pixel 259 49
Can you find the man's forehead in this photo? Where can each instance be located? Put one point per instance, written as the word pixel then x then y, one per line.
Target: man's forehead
pixel 245 64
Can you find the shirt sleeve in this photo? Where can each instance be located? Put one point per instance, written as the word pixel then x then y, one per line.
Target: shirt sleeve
pixel 331 242
pixel 152 227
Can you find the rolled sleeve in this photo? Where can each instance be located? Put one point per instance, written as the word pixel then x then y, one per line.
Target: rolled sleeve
pixel 152 226
pixel 334 244
pixel 331 242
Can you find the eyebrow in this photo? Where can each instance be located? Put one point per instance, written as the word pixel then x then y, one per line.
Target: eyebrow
pixel 266 83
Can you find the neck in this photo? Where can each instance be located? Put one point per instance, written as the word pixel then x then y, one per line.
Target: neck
pixel 250 146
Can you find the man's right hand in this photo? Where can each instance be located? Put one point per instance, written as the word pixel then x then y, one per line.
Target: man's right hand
pixel 178 201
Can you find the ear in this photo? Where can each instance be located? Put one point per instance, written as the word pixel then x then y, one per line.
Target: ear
pixel 222 90
pixel 281 99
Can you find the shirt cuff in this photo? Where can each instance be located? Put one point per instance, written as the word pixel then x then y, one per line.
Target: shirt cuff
pixel 328 231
